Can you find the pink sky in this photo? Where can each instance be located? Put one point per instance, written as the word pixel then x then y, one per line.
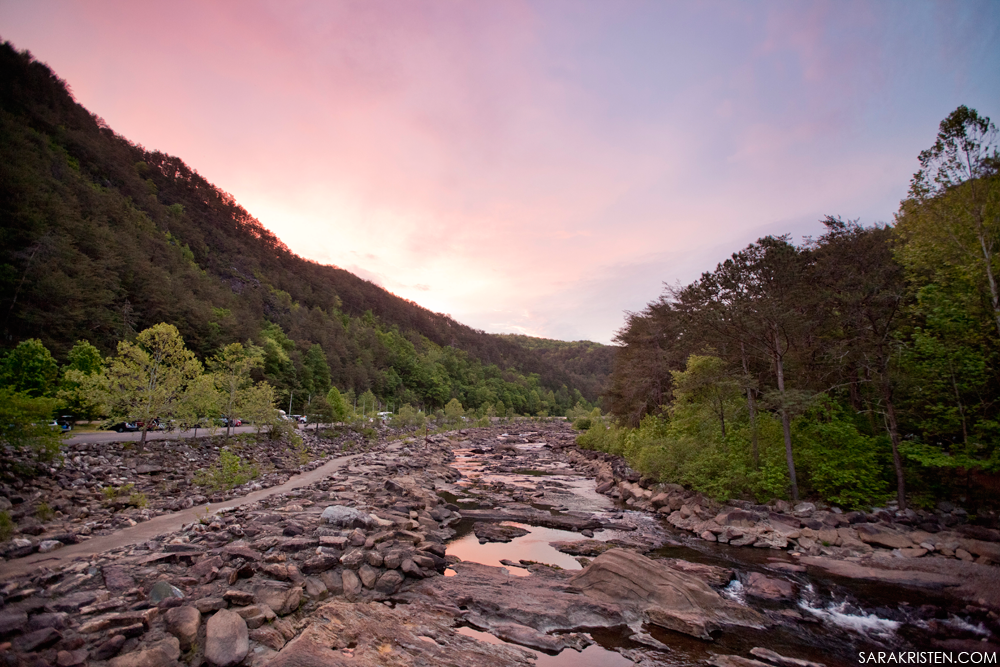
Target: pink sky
pixel 534 167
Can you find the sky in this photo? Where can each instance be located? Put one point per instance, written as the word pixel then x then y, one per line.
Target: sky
pixel 530 167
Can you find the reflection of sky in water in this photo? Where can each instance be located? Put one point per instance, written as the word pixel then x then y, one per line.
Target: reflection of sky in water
pixel 593 656
pixel 533 546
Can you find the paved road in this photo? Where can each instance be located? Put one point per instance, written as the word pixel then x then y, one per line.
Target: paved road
pixel 111 436
pixel 165 523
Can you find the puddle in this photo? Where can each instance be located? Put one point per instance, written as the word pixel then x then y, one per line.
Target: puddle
pixel 533 546
pixel 594 655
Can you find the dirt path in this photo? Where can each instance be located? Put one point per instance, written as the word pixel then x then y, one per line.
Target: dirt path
pixel 165 523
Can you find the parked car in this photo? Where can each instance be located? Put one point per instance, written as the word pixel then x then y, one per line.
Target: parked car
pixel 122 427
pixel 235 422
pixel 61 425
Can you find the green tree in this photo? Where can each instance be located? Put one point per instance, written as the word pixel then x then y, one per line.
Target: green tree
pixel 146 379
pixel 257 406
pixel 340 408
pixel 952 217
pixel 30 368
pixel 367 404
pixel 319 410
pixel 24 423
pixel 318 370
pixel 200 403
pixel 231 369
pixel 453 411
pixel 708 381
pixel 76 391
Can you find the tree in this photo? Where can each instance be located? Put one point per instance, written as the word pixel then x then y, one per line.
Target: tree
pixel 862 291
pixel 320 411
pixel 367 403
pixel 30 368
pixel 200 403
pixel 76 391
pixel 707 380
pixel 146 379
pixel 318 370
pixel 953 214
pixel 24 423
pixel 231 369
pixel 257 405
pixel 340 408
pixel 453 411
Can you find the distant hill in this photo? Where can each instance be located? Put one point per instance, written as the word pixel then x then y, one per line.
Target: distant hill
pixel 101 238
pixel 588 364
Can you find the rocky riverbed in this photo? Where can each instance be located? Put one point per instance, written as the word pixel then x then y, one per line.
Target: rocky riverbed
pixel 482 547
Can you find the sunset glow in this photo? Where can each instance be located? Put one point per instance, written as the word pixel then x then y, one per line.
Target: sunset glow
pixel 530 167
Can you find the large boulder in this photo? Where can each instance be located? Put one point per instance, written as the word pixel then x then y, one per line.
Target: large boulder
pixel 163 653
pixel 666 597
pixel 227 639
pixel 346 517
pixel 883 537
pixel 183 622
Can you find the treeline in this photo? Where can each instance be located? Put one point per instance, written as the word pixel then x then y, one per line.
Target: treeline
pixel 858 366
pixel 102 239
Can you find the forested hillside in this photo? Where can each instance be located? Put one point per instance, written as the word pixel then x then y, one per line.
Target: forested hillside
pixel 855 367
pixel 101 239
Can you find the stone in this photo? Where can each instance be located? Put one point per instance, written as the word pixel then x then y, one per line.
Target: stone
pixel 769 588
pixel 163 653
pixel 269 637
pixel 238 597
pixel 315 588
pixel 782 660
pixel 493 532
pixel 162 590
pixel 346 517
pixel 368 575
pixel 305 651
pixel 12 622
pixel 352 585
pixel 36 640
pixel 389 582
pixel 669 598
pixel 110 648
pixel 183 623
pixel 71 658
pixel 45 546
pixel 282 598
pixel 206 605
pixel 227 639
pixel 912 552
pixel 872 534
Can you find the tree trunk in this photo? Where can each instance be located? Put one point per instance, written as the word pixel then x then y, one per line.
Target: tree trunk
pixel 786 422
pixel 990 278
pixel 752 407
pixel 897 461
pixel 142 441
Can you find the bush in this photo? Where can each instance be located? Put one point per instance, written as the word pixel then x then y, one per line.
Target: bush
pixel 6 526
pixel 138 500
pixel 229 471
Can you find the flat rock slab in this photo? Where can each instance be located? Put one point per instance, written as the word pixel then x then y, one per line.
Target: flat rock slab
pixel 367 634
pixel 664 596
pixel 494 532
pixel 904 577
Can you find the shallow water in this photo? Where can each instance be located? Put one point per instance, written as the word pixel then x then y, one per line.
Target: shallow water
pixel 831 620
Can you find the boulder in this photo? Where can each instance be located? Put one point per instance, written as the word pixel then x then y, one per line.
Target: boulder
pixel 162 590
pixel 782 660
pixel 282 598
pixel 227 639
pixel 389 582
pixel 183 622
pixel 163 653
pixel 668 598
pixel 352 585
pixel 493 532
pixel 769 588
pixel 346 517
pixel 883 537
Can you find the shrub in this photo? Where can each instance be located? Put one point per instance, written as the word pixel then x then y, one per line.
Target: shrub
pixel 228 472
pixel 44 513
pixel 6 526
